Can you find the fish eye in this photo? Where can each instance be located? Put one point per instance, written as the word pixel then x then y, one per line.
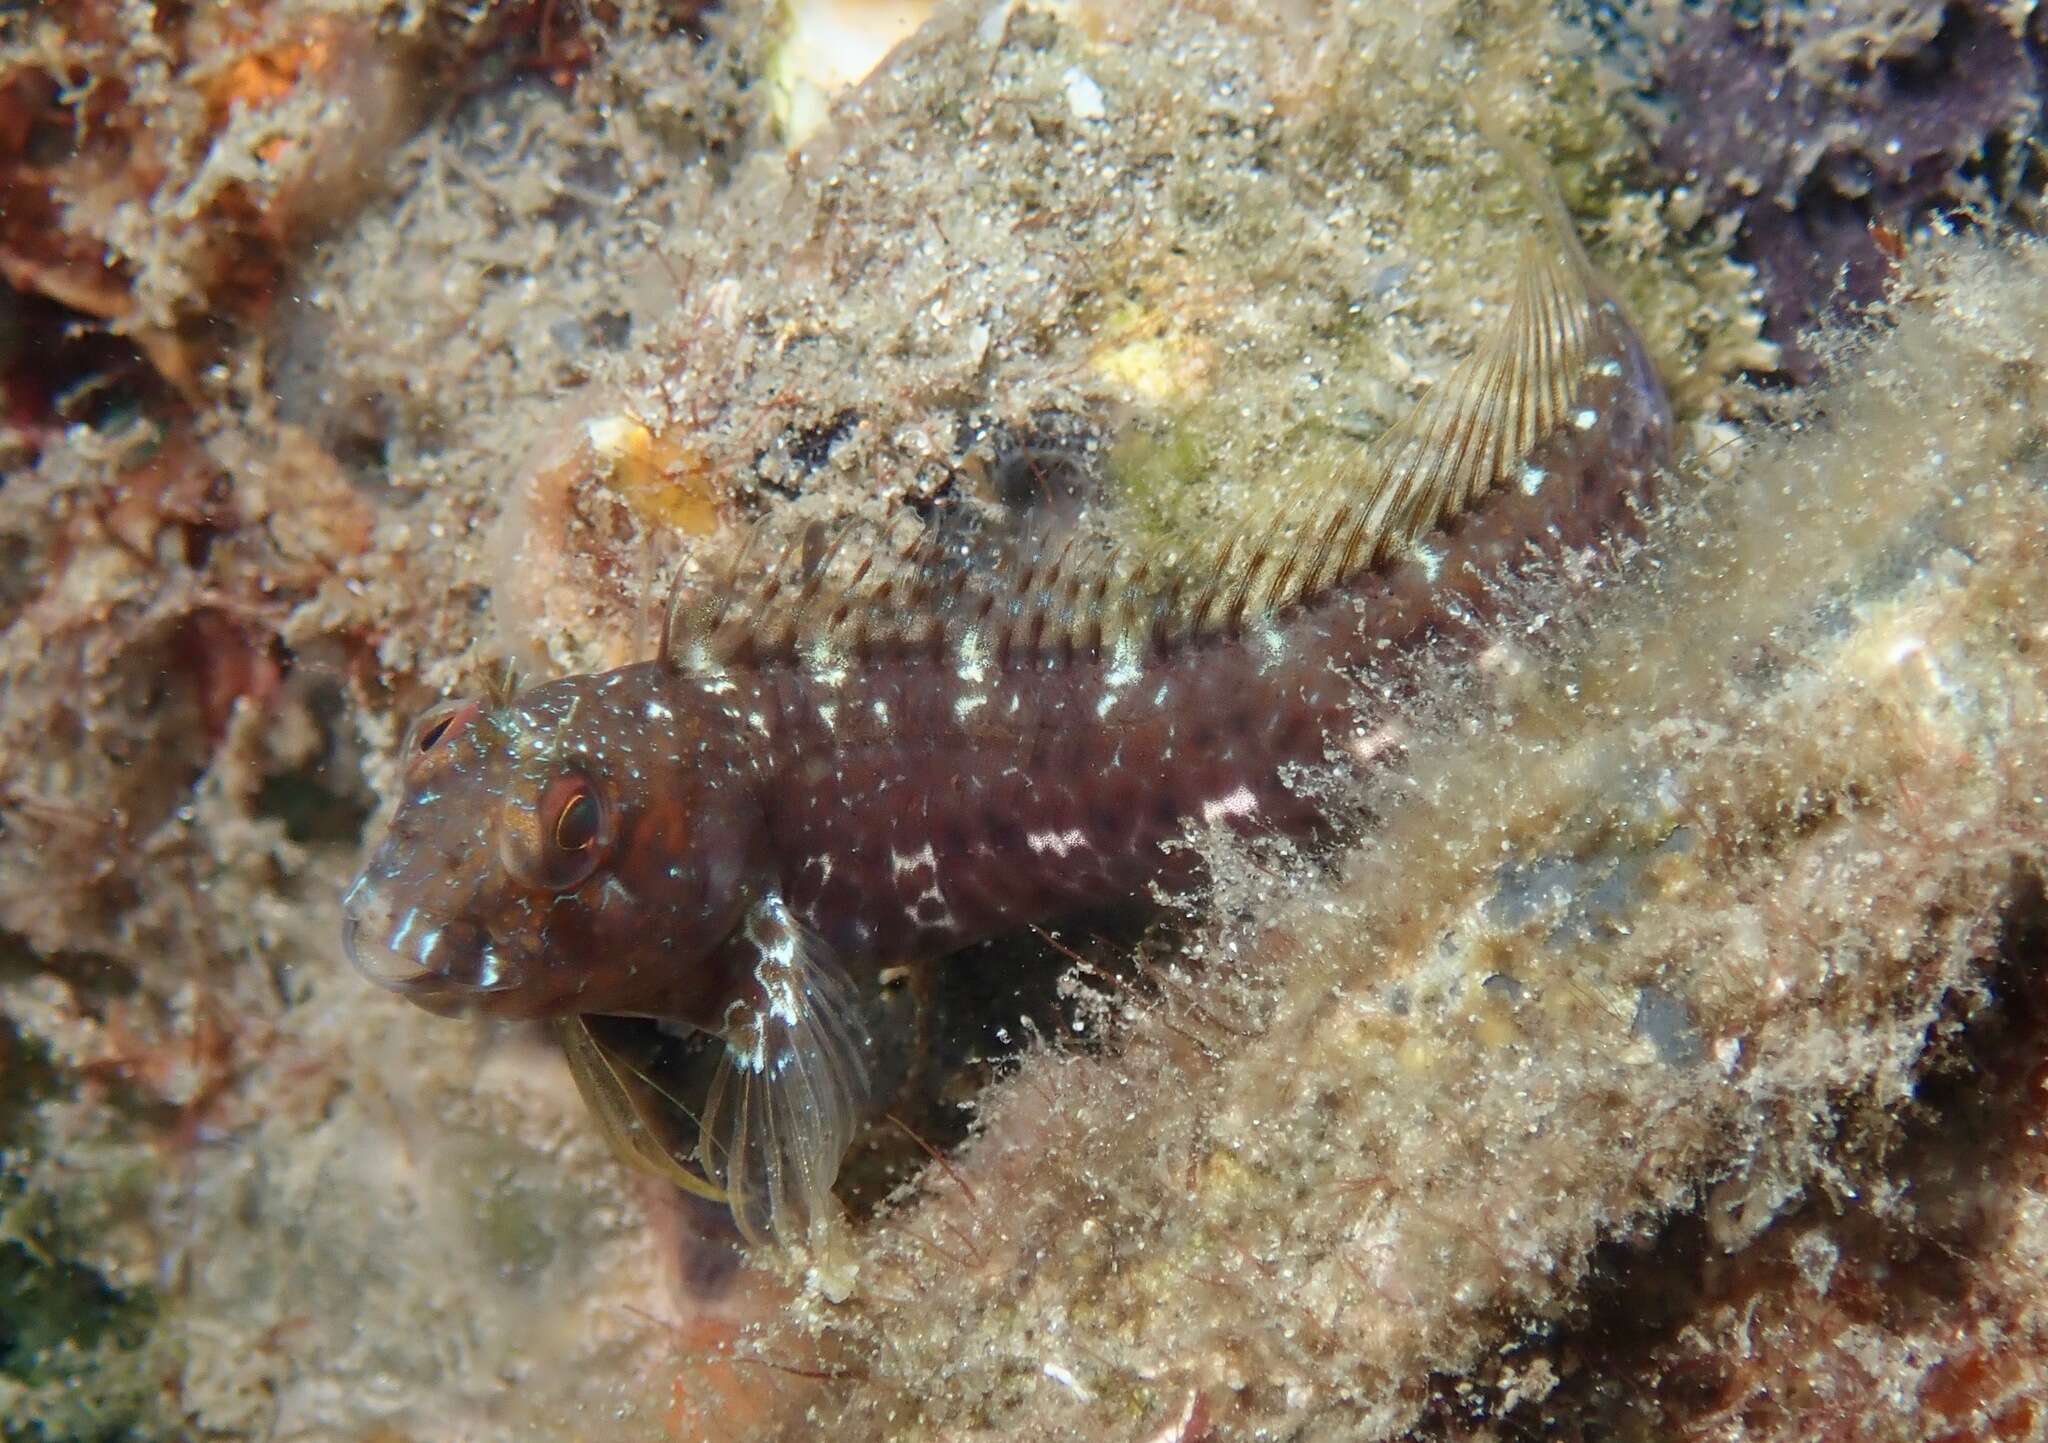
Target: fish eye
pixel 576 825
pixel 556 845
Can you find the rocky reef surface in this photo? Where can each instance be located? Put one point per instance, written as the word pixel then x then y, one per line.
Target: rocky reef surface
pixel 1664 1061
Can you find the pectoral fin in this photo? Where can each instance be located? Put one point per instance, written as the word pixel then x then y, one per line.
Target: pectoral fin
pixel 633 1110
pixel 795 1084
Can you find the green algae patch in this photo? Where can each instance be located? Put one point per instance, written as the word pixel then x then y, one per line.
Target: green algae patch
pixel 520 1214
pixel 77 1363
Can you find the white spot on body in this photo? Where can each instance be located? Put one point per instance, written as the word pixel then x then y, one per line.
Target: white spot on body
pixel 1123 663
pixel 1123 670
pixel 1272 643
pixel 930 909
pixel 973 664
pixel 1586 418
pixel 655 711
pixel 827 667
pixel 1533 478
pixel 966 706
pixel 1058 843
pixel 900 863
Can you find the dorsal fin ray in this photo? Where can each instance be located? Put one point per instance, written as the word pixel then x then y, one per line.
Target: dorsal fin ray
pixel 856 589
pixel 1465 436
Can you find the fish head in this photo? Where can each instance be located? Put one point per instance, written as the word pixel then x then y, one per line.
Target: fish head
pixel 583 847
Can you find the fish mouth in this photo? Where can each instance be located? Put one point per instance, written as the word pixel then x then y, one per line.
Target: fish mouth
pixel 444 964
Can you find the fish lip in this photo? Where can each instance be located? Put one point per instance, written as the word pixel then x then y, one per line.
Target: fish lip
pixel 442 963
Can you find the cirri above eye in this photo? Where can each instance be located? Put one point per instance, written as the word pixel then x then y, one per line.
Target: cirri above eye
pixel 558 844
pixel 438 724
pixel 433 731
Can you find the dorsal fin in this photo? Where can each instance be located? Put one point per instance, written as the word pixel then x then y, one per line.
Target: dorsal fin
pixel 849 592
pixel 1465 438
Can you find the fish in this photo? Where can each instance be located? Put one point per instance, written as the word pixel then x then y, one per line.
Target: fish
pixel 851 752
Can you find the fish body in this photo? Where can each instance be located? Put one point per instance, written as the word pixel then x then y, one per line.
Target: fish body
pixel 828 773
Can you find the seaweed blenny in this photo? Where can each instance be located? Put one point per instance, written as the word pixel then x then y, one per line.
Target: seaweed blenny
pixel 844 764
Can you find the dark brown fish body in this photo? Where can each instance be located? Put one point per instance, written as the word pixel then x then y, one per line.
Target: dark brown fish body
pixel 828 779
pixel 914 809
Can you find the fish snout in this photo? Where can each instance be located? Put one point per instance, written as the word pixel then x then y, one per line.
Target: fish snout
pixel 430 959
